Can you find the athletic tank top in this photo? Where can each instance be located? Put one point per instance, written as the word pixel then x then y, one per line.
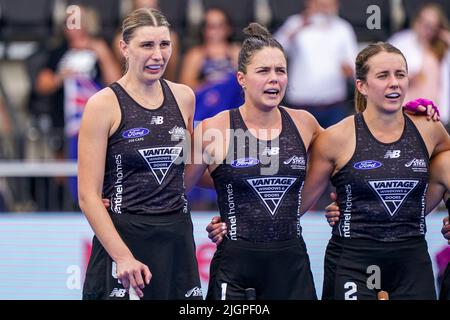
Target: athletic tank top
pixel 381 190
pixel 447 204
pixel 258 184
pixel 144 170
pixel 214 70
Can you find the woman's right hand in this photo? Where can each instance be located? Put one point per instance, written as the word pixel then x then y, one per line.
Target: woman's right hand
pixel 216 230
pixel 133 273
pixel 106 203
pixel 332 211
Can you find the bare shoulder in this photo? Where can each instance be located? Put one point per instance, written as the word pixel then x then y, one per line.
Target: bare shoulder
pixel 302 117
pixel 306 124
pixel 433 133
pixel 424 125
pixel 220 121
pixel 336 142
pixel 180 89
pixel 339 133
pixel 183 94
pixel 103 100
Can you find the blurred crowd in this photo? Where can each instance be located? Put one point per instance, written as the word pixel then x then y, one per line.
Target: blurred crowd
pixel 67 50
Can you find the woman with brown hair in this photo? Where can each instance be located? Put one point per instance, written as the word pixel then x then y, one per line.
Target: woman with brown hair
pixel 378 160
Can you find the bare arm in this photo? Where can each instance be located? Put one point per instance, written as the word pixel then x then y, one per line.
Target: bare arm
pixel 439 180
pixel 92 145
pixel 197 166
pixel 320 168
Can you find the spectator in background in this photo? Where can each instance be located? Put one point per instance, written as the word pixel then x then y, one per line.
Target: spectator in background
pixel 426 47
pixel 76 70
pixel 321 48
pixel 210 68
pixel 171 72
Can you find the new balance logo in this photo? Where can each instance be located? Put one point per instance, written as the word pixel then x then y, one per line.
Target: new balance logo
pixel 157 120
pixel 393 193
pixel 194 292
pixel 271 151
pixel 119 293
pixel 392 154
pixel 271 190
pixel 160 160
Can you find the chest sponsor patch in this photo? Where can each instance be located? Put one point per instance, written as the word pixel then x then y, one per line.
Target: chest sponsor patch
pixel 244 162
pixel 271 190
pixel 417 165
pixel 367 165
pixel 393 193
pixel 159 160
pixel 296 162
pixel 135 133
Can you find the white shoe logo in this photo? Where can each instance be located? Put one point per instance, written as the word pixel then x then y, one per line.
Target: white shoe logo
pixel 194 292
pixel 120 293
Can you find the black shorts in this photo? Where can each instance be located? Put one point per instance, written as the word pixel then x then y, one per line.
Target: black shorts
pixel 332 254
pixel 164 243
pixel 357 269
pixel 445 286
pixel 242 270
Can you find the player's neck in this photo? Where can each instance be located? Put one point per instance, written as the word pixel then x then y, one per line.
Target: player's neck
pixel 384 126
pixel 261 119
pixel 143 89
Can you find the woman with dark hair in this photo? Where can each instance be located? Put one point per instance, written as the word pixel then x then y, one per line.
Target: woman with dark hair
pixel 215 59
pixel 210 67
pixel 257 160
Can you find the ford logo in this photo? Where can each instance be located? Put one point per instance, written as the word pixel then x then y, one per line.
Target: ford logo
pixel 135 133
pixel 244 163
pixel 367 165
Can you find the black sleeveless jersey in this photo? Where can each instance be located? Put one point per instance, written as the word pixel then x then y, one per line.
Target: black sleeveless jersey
pixel 381 190
pixel 259 183
pixel 447 204
pixel 144 170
